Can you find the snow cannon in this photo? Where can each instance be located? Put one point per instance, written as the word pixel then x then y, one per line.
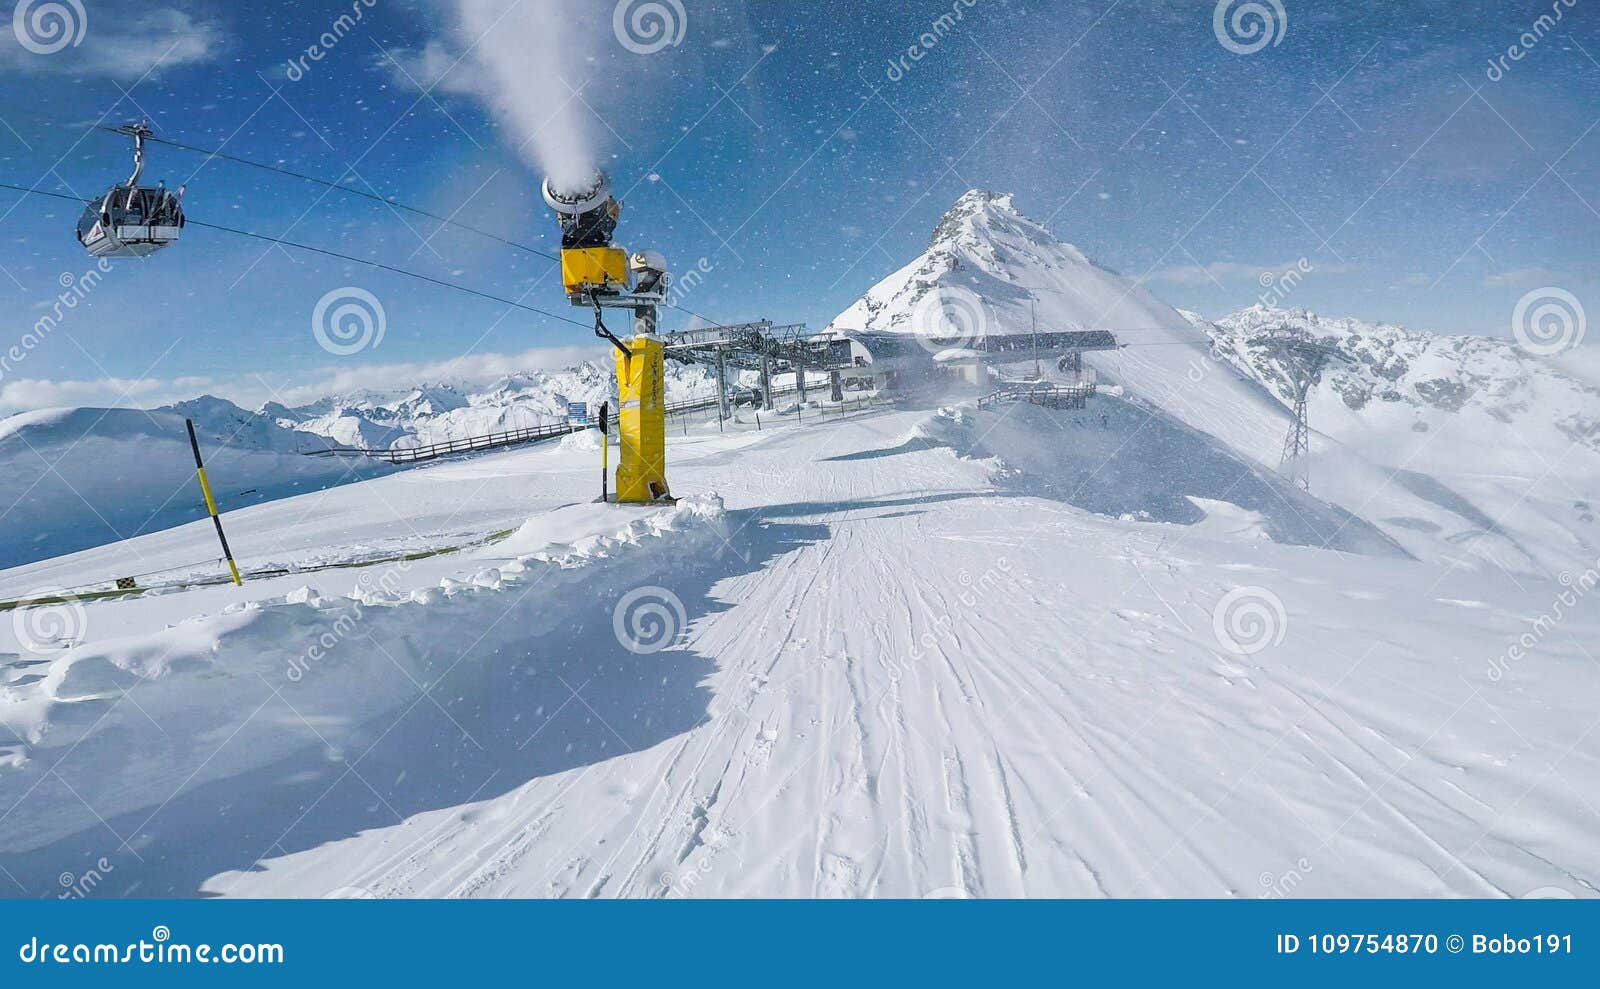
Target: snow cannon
pixel 588 218
pixel 598 274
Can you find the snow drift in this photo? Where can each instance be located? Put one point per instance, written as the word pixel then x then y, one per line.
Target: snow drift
pixel 334 658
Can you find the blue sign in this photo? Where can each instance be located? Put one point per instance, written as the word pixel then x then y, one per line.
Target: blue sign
pixel 578 413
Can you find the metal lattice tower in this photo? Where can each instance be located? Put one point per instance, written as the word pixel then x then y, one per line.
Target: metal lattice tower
pixel 1303 359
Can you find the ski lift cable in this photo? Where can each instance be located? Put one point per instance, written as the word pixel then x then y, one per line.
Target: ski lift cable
pixel 387 267
pixel 704 319
pixel 43 192
pixel 332 254
pixel 339 187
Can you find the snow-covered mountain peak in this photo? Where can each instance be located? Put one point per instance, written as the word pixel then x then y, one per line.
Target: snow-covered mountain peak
pixel 987 257
pixel 429 399
pixel 987 229
pixel 975 210
pixel 991 270
pixel 1426 403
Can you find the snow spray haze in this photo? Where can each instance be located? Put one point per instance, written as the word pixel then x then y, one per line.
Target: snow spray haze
pixel 535 56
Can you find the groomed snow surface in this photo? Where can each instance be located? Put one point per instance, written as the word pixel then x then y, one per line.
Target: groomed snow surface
pixel 896 653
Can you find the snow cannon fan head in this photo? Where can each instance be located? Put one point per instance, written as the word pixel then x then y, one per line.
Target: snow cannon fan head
pixel 588 214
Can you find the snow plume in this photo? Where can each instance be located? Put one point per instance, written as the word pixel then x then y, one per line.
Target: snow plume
pixel 533 57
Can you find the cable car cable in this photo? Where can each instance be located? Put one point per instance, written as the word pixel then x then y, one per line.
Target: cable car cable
pixel 387 267
pixel 42 192
pixel 332 254
pixel 339 187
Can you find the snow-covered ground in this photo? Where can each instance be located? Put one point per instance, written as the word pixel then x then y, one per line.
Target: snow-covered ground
pixel 919 655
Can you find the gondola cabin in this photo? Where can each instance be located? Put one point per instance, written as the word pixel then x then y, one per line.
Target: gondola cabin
pixel 131 220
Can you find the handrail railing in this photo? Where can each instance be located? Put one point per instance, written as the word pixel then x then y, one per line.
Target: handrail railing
pixel 1072 396
pixel 511 437
pixel 465 444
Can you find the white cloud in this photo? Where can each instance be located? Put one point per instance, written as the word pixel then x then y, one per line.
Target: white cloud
pixel 433 67
pixel 291 388
pixel 118 41
pixel 36 393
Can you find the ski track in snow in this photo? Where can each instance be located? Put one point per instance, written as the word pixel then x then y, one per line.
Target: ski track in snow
pixel 903 675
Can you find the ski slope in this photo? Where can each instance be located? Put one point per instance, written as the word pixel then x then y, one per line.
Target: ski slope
pixel 922 655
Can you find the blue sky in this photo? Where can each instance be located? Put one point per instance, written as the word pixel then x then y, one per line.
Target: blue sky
pixel 775 143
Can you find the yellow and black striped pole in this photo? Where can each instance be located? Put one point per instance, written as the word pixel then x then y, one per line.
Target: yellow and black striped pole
pixel 211 504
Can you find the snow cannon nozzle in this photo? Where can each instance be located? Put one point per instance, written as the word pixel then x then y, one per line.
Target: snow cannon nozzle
pixel 588 216
pixel 577 201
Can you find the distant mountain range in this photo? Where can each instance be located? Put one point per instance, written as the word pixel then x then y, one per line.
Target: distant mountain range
pixel 1459 448
pixel 433 413
pixel 1528 409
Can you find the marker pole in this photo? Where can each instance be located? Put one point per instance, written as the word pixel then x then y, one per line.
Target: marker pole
pixel 605 450
pixel 211 504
